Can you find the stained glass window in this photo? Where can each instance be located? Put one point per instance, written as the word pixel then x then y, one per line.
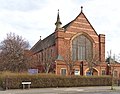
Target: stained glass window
pixel 81 48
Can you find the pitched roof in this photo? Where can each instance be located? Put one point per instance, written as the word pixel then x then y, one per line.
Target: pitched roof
pixel 43 44
pixel 50 40
pixel 65 26
pixel 111 60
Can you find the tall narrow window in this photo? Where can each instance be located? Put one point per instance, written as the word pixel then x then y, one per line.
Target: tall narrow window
pixel 81 48
pixel 63 71
pixel 115 73
pixel 103 72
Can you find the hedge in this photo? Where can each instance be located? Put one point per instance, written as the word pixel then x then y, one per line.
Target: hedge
pixel 13 81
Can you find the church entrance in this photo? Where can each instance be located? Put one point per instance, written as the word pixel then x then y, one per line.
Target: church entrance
pixel 93 72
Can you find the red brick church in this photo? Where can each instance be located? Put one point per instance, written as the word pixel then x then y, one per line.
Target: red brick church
pixel 73 49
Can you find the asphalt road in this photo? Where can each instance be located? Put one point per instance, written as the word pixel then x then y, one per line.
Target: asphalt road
pixel 74 90
pixel 100 93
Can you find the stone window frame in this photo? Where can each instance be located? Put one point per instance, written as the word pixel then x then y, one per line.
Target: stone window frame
pixel 102 72
pixel 77 69
pixel 115 73
pixel 61 71
pixel 88 39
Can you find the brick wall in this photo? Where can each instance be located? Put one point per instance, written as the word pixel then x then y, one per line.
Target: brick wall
pixel 80 25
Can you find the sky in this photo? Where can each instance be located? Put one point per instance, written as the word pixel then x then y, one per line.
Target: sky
pixel 34 18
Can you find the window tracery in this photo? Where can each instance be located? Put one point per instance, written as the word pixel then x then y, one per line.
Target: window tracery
pixel 81 48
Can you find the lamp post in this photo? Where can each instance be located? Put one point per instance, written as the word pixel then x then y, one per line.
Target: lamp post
pixel 111 74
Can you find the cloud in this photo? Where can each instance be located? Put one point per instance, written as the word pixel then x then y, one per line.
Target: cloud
pixel 105 18
pixel 34 18
pixel 21 5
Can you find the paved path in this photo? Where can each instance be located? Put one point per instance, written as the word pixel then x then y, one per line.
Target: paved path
pixel 71 90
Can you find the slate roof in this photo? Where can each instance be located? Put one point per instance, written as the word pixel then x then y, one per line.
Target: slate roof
pixel 65 26
pixel 111 60
pixel 43 44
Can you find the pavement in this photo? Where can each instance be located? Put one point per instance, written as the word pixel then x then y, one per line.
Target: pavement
pixel 70 90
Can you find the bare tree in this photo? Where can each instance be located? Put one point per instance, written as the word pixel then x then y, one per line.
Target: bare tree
pixel 48 61
pixel 111 67
pixel 93 60
pixel 48 64
pixel 70 63
pixel 12 54
pixel 115 57
pixel 112 58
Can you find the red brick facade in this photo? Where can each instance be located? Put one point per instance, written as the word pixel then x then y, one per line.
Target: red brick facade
pixel 56 50
pixel 80 26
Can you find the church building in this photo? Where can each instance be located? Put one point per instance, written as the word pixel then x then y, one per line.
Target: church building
pixel 73 49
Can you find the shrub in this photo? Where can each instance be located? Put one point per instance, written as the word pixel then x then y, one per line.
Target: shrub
pixel 14 80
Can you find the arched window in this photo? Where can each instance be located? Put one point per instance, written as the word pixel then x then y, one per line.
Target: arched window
pixel 81 48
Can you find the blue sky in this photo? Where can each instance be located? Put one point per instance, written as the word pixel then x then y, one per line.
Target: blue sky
pixel 34 18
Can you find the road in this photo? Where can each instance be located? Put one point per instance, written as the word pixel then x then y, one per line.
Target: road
pixel 72 90
pixel 99 93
